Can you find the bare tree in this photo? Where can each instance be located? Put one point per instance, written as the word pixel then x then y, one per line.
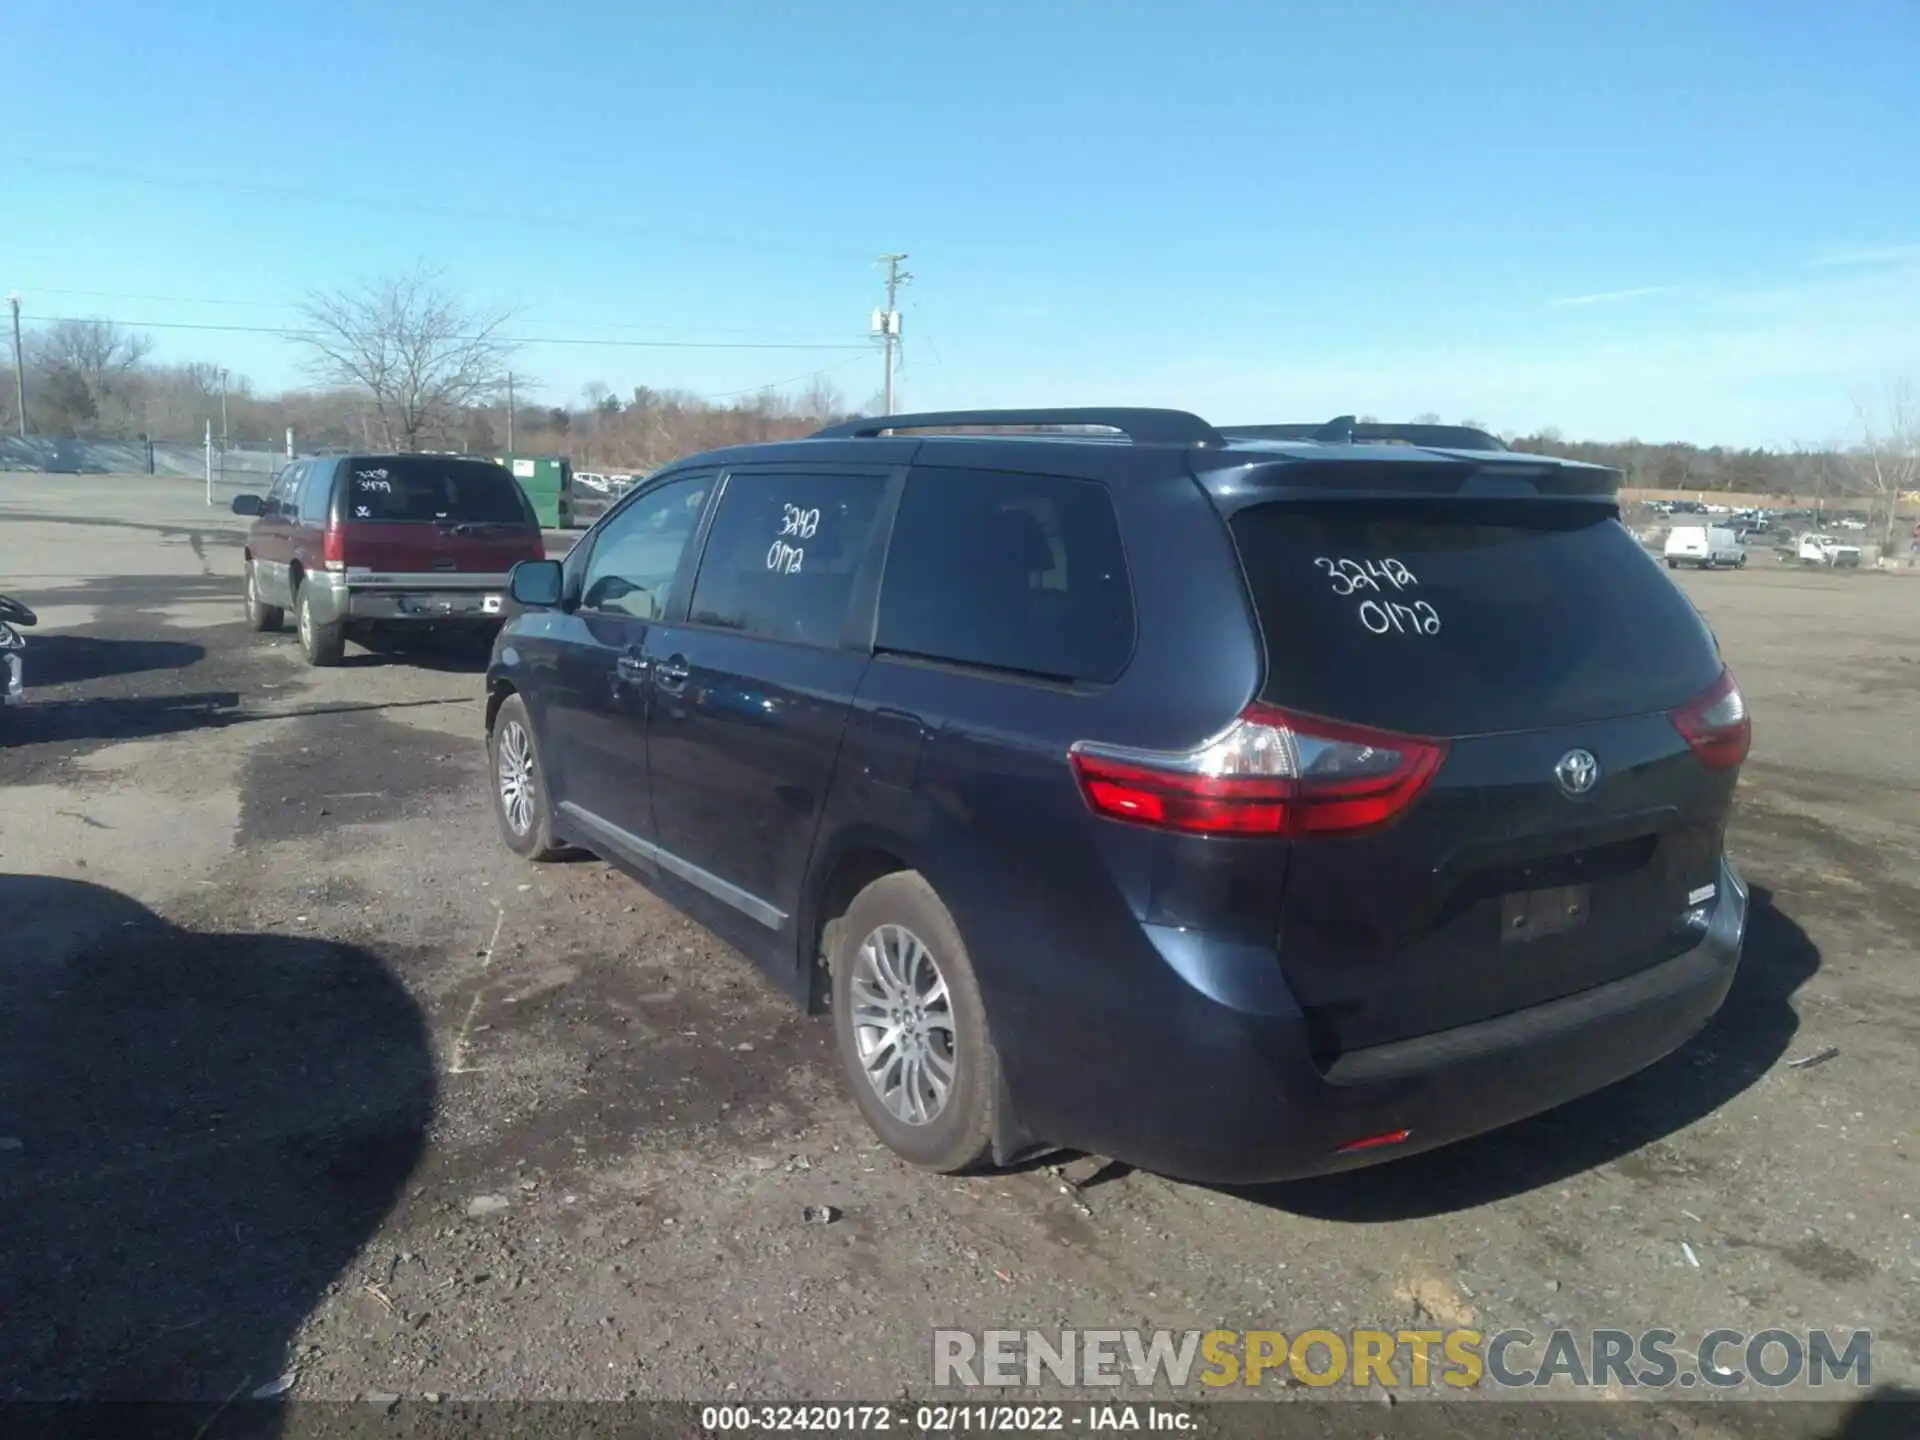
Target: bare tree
pixel 1886 462
pixel 820 401
pixel 420 353
pixel 87 370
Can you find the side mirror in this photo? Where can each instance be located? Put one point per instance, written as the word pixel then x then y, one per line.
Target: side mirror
pixel 535 583
pixel 246 505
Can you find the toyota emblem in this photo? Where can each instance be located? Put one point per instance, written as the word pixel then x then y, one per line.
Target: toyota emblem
pixel 1577 771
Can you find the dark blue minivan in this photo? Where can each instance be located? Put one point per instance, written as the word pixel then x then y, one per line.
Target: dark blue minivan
pixel 1242 803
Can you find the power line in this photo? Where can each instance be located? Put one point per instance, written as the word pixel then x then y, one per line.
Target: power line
pixel 790 380
pixel 389 205
pixel 159 299
pixel 296 333
pixel 297 305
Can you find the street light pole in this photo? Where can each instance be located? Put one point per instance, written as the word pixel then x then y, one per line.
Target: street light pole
pixel 223 412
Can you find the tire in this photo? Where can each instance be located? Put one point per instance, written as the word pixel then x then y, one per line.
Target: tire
pixel 321 644
pixel 529 834
pixel 260 615
pixel 890 915
pixel 1673 564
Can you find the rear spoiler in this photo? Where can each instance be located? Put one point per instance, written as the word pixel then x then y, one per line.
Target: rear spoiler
pixel 1423 475
pixel 1348 431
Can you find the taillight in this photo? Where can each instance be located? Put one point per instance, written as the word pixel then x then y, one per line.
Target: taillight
pixel 1716 724
pixel 1270 773
pixel 333 548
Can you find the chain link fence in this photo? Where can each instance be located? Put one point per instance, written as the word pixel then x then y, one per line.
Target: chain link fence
pixel 222 471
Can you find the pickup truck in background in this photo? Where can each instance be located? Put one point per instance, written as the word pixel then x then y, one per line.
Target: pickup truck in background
pixel 1819 549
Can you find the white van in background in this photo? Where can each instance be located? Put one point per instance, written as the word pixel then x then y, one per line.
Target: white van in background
pixel 1707 546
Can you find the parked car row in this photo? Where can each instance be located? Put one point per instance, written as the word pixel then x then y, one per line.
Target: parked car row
pixel 1712 547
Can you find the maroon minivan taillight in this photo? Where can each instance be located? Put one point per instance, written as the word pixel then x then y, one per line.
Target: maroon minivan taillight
pixel 1270 773
pixel 333 548
pixel 1716 724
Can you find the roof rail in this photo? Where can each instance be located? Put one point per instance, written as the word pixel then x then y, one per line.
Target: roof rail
pixel 1142 426
pixel 1348 431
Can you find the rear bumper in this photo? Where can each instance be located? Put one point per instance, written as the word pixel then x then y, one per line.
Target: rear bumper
pixel 1222 1087
pixel 411 599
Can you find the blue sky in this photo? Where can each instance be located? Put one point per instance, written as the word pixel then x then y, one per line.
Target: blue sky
pixel 1695 220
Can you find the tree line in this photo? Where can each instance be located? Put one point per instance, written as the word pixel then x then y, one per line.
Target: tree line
pixel 406 363
pixel 89 379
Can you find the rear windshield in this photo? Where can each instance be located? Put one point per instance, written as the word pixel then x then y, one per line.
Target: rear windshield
pixel 423 489
pixel 1463 618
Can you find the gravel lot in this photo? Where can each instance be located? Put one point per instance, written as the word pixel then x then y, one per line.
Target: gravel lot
pixel 302 1073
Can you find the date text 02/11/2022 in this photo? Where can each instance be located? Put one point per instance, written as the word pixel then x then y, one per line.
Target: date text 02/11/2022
pixel 945 1419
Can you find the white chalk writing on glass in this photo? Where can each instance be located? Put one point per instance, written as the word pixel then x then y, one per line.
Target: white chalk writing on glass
pixel 1382 578
pixel 1385 616
pixel 784 559
pixel 798 523
pixel 1347 576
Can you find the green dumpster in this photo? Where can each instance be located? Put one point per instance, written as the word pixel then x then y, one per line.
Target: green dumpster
pixel 548 483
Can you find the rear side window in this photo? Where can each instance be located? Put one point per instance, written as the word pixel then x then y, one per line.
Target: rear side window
pixel 1017 572
pixel 280 495
pixel 783 553
pixel 316 491
pixel 423 489
pixel 1466 618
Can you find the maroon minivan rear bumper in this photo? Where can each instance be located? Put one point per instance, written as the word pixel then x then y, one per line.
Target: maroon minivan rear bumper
pixel 425 599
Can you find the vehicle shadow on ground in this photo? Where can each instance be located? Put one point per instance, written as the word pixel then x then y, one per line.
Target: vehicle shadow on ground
pixel 73 659
pixel 1755 1026
pixel 1891 1412
pixel 451 654
pixel 144 717
pixel 198 1132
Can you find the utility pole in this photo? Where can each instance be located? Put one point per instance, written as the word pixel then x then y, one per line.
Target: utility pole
pixel 886 324
pixel 19 366
pixel 509 412
pixel 223 412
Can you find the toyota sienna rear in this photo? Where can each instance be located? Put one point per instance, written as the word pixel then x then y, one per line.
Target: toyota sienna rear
pixel 1242 804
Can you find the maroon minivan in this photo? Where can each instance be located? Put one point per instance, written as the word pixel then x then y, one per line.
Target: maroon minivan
pixel 353 542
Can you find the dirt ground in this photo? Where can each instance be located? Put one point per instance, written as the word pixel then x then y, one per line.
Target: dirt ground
pixel 302 1074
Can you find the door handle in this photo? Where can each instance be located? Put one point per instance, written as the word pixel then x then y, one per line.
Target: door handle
pixel 632 667
pixel 671 673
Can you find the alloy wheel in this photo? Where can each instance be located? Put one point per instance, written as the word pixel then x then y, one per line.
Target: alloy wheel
pixel 516 776
pixel 903 1024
